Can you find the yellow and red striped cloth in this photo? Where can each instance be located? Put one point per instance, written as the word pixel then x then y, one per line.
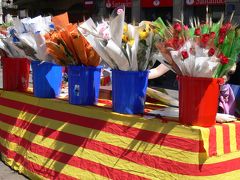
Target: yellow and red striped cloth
pixel 51 139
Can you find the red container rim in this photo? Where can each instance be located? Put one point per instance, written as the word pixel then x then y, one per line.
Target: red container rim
pixel 219 80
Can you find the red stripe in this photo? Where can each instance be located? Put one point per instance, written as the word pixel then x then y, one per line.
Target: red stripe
pixel 226 138
pixel 121 130
pixel 33 167
pixel 237 124
pixel 212 142
pixel 129 155
pixel 69 159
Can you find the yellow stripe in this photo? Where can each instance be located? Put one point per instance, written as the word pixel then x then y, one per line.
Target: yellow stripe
pixel 21 169
pixel 205 136
pixel 232 136
pixel 115 140
pixel 219 139
pixel 104 159
pixel 51 164
pixel 171 128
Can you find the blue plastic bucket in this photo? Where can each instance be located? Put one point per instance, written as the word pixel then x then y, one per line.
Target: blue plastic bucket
pixel 47 79
pixel 129 91
pixel 83 84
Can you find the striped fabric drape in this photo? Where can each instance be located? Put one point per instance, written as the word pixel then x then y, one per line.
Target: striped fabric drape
pixel 51 139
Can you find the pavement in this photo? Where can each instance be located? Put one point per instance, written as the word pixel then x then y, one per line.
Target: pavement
pixel 7 173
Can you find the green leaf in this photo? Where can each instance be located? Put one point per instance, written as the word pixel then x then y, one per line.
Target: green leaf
pixel 205 29
pixel 161 26
pixel 191 32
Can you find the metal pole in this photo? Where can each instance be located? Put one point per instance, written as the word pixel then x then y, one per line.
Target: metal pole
pixel 136 9
pixel 178 8
pixel 102 8
pixel 1 12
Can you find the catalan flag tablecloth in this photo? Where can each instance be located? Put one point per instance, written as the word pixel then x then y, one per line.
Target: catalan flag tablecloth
pixel 51 139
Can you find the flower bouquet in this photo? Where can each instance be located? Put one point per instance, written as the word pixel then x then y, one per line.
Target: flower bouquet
pixel 129 51
pixel 200 54
pixel 27 39
pixel 68 47
pixel 19 45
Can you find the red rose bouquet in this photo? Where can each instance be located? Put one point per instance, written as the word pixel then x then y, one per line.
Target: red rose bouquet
pixel 201 50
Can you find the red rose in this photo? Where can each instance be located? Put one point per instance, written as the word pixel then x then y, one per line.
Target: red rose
pixel 212 35
pixel 228 25
pixel 177 27
pixel 222 30
pixel 221 39
pixel 220 56
pixel 224 60
pixel 211 52
pixel 168 44
pixel 181 42
pixel 197 32
pixel 204 39
pixel 184 55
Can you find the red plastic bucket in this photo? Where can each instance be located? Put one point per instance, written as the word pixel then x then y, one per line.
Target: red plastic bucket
pixel 198 100
pixel 15 73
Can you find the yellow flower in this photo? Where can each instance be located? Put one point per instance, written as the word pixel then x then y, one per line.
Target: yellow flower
pixel 125 28
pixel 131 42
pixel 143 34
pixel 125 38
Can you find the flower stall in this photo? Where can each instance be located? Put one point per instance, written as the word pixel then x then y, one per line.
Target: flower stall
pixel 86 136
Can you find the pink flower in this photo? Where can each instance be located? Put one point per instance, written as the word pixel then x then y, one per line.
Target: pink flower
pixel 177 27
pixel 211 52
pixel 120 11
pixel 102 27
pixel 184 55
pixel 197 32
pixel 106 35
pixel 186 28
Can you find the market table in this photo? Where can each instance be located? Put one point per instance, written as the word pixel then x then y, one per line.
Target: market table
pixel 51 139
